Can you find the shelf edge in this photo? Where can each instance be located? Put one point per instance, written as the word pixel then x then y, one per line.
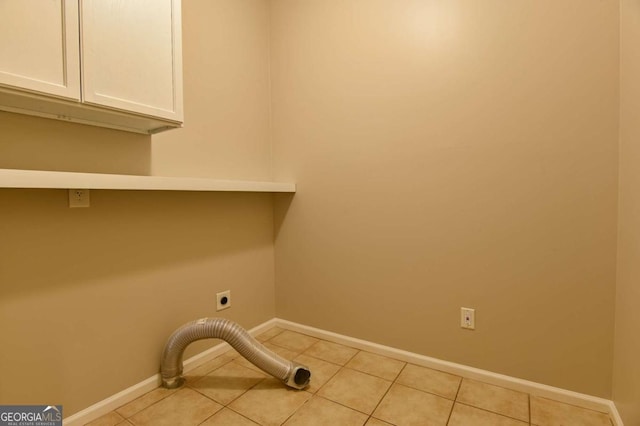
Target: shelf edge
pixel 39 179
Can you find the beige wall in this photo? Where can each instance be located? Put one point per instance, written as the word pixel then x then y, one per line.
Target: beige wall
pixel 89 296
pixel 226 62
pixel 626 377
pixel 452 154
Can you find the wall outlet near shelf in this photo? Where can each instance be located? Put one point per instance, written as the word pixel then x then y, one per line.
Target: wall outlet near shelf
pixel 79 198
pixel 468 318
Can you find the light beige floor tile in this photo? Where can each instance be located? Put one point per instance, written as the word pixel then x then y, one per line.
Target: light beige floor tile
pixel 376 422
pixel 294 341
pixel 184 408
pixel 406 406
pixel 429 380
pixel 464 415
pixel 283 352
pixel 226 417
pixel 125 423
pixel 321 371
pixel 270 402
pixel 144 401
pixel 376 365
pixel 272 332
pixel 494 398
pixel 228 382
pixel 356 390
pixel 206 368
pixel 110 419
pixel 332 352
pixel 319 412
pixel 545 412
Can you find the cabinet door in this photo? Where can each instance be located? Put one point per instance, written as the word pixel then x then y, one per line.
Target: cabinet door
pixel 39 46
pixel 132 55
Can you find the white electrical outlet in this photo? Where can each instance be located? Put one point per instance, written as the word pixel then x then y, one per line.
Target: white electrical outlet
pixel 79 198
pixel 468 318
pixel 223 300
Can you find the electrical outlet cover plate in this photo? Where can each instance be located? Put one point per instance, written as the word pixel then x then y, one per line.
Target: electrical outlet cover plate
pixel 223 300
pixel 468 318
pixel 79 198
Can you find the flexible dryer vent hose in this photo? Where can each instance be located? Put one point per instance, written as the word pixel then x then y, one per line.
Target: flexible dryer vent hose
pixel 292 374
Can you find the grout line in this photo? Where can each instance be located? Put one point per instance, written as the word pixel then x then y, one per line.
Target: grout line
pixel 210 415
pixel 223 404
pixel 275 335
pixel 455 398
pixel 400 372
pixel 368 374
pixel 296 410
pixel 212 370
pixel 425 391
pixel 397 376
pixel 173 391
pixel 289 349
pixel 327 381
pixel 450 413
pixel 574 405
pixel 352 356
pixel 148 406
pixel 383 397
pixel 243 393
pixel 240 414
pixel 459 387
pixel 345 406
pixel 492 412
pixel 191 383
pixel 319 359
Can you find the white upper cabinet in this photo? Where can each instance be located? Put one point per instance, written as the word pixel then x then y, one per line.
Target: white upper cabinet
pixel 39 46
pixel 122 41
pixel 109 63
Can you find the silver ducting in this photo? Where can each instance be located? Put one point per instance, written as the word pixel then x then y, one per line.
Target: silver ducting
pixel 292 374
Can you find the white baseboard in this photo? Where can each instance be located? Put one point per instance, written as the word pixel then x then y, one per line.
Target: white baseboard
pixel 115 401
pixel 533 388
pixel 615 415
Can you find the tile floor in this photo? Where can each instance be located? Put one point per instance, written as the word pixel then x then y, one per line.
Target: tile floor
pixel 348 387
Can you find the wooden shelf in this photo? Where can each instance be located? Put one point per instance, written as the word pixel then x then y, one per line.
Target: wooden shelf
pixel 11 178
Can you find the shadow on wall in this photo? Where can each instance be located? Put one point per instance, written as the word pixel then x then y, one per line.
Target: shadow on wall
pixel 281 204
pixel 33 143
pixel 45 244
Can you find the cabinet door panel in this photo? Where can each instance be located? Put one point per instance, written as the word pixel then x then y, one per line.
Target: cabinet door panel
pixel 39 46
pixel 132 57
